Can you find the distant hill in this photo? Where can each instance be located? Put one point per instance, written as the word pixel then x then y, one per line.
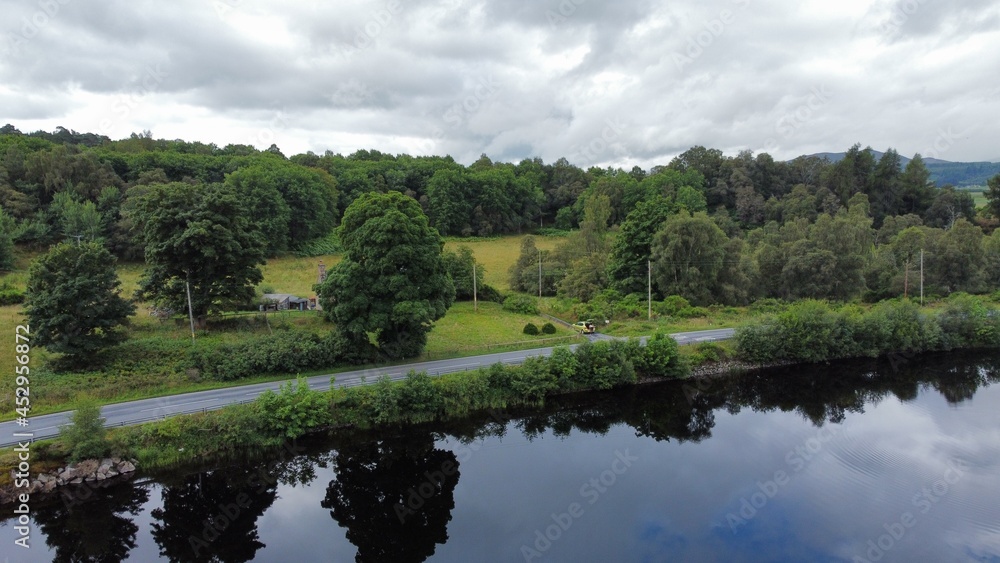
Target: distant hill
pixel 943 172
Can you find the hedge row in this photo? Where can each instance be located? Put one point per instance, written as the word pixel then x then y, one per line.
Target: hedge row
pixel 296 410
pixel 813 331
pixel 281 352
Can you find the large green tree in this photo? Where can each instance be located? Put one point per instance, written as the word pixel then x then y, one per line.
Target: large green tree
pixel 392 281
pixel 993 195
pixel 461 265
pixel 917 188
pixel 291 204
pixel 6 241
pixel 73 303
pixel 201 234
pixel 689 252
pixel 630 251
pixel 587 251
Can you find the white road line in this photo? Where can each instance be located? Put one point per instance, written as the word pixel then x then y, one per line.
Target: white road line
pixel 178 405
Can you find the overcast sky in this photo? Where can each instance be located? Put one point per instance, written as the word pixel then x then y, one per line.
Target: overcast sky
pixel 619 83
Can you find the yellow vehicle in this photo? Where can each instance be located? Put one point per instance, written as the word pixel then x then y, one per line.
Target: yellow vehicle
pixel 586 327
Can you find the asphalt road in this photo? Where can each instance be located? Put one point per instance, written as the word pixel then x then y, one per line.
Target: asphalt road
pixel 134 412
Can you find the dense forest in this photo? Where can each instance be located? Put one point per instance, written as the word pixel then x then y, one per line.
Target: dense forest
pixel 714 228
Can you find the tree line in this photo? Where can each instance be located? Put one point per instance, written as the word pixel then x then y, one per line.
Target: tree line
pixel 704 258
pixel 66 184
pixel 707 227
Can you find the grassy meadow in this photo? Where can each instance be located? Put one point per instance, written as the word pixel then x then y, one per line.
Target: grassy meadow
pixel 151 362
pixel 499 254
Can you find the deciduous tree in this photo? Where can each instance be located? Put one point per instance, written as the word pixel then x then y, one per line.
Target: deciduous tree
pixel 392 281
pixel 201 234
pixel 73 303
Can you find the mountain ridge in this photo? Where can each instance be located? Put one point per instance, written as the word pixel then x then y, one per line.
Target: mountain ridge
pixel 943 172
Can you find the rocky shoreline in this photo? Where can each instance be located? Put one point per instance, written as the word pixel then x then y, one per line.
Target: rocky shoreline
pixel 86 471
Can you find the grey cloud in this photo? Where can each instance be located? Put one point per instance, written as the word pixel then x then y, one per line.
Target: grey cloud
pixel 415 70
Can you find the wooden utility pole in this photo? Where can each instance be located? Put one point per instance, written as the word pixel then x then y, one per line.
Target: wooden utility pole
pixel 539 273
pixel 649 290
pixel 921 276
pixel 475 299
pixel 187 287
pixel 906 279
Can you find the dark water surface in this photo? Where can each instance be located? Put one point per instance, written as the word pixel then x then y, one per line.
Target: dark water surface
pixel 854 462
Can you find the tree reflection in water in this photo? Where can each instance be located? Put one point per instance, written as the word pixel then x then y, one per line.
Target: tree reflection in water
pixel 212 516
pixel 93 524
pixel 394 490
pixel 395 496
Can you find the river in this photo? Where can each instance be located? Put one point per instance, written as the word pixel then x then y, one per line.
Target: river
pixel 859 461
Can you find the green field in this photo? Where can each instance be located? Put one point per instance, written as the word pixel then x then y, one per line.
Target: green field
pixel 464 331
pixel 461 332
pixel 499 254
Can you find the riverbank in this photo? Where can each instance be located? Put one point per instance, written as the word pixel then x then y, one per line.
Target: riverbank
pixel 807 332
pixel 296 410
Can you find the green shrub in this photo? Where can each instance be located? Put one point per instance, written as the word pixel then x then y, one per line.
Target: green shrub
pixel 523 304
pixel 330 244
pixel 768 305
pixel 759 343
pixel 85 435
pixel 564 366
pixel 604 365
pixel 632 306
pixel 551 232
pixel 967 322
pixel 490 293
pixel 711 351
pixel 294 409
pixel 11 296
pixel 565 219
pixel 691 312
pixel 810 331
pixel 385 401
pixel 418 398
pixel 532 381
pixel 530 329
pixel 285 351
pixel 661 358
pixel 548 328
pixel 671 305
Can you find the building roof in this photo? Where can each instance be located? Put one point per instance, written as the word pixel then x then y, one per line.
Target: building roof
pixel 283 296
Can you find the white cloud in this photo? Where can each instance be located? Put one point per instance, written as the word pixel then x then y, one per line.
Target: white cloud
pixel 389 74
